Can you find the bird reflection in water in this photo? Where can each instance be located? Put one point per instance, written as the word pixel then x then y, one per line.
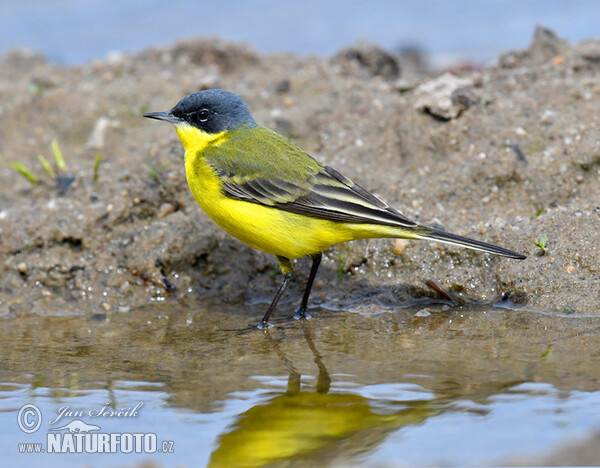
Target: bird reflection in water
pixel 313 426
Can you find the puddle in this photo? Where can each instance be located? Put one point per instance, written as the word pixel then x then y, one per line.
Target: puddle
pixel 462 386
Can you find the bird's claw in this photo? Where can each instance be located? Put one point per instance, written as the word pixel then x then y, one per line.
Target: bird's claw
pixel 264 325
pixel 302 313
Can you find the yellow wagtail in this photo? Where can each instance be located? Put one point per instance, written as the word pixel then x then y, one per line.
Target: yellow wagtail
pixel 269 193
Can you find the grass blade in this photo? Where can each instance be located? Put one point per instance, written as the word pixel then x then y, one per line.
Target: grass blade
pixel 60 161
pixel 47 166
pixel 97 165
pixel 24 172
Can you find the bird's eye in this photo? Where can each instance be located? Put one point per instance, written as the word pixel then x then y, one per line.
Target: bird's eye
pixel 203 115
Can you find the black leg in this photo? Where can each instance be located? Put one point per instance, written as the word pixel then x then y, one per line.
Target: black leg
pixel 301 312
pixel 323 379
pixel 288 273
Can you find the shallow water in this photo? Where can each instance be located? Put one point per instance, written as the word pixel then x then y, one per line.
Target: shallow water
pixel 463 386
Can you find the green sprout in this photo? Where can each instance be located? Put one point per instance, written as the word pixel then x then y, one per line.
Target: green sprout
pixel 342 263
pixel 542 244
pixel 63 182
pixel 548 355
pixel 539 212
pixel 24 172
pixel 154 172
pixel 47 166
pixel 37 89
pixel 97 165
pixel 60 161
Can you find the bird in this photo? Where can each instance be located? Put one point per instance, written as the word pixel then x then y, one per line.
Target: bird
pixel 269 193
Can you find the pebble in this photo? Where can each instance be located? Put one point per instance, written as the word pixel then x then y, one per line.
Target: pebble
pixel 283 86
pixel 521 131
pixel 98 136
pixel 400 246
pixel 435 96
pixel 165 209
pixel 22 267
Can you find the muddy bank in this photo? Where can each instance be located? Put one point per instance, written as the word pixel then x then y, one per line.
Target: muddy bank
pixel 505 154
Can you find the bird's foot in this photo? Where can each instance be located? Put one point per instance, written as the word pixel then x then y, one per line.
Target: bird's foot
pixel 264 325
pixel 302 313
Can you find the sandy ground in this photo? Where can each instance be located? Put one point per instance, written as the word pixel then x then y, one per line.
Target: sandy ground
pixel 504 154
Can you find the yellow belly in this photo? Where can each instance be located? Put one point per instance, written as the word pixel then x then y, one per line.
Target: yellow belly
pixel 268 229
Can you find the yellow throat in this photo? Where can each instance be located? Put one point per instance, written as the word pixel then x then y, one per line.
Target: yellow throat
pixel 196 140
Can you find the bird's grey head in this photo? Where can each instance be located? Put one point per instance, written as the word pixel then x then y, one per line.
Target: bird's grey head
pixel 213 111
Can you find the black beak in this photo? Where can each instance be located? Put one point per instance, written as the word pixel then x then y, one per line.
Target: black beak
pixel 166 116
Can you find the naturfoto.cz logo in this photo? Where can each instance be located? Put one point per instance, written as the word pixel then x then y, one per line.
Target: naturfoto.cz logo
pixel 78 436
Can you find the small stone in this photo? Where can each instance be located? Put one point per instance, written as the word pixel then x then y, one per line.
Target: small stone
pixel 22 267
pixel 371 57
pixel 106 306
pixel 446 96
pixel 165 209
pixel 570 269
pixel 283 86
pixel 464 97
pixel 98 136
pixel 400 246
pixel 520 131
pixel 509 59
pixel 423 313
pixel 546 45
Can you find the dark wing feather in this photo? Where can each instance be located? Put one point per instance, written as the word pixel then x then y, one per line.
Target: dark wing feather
pixel 326 195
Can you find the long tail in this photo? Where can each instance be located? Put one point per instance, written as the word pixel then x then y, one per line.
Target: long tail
pixel 441 236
